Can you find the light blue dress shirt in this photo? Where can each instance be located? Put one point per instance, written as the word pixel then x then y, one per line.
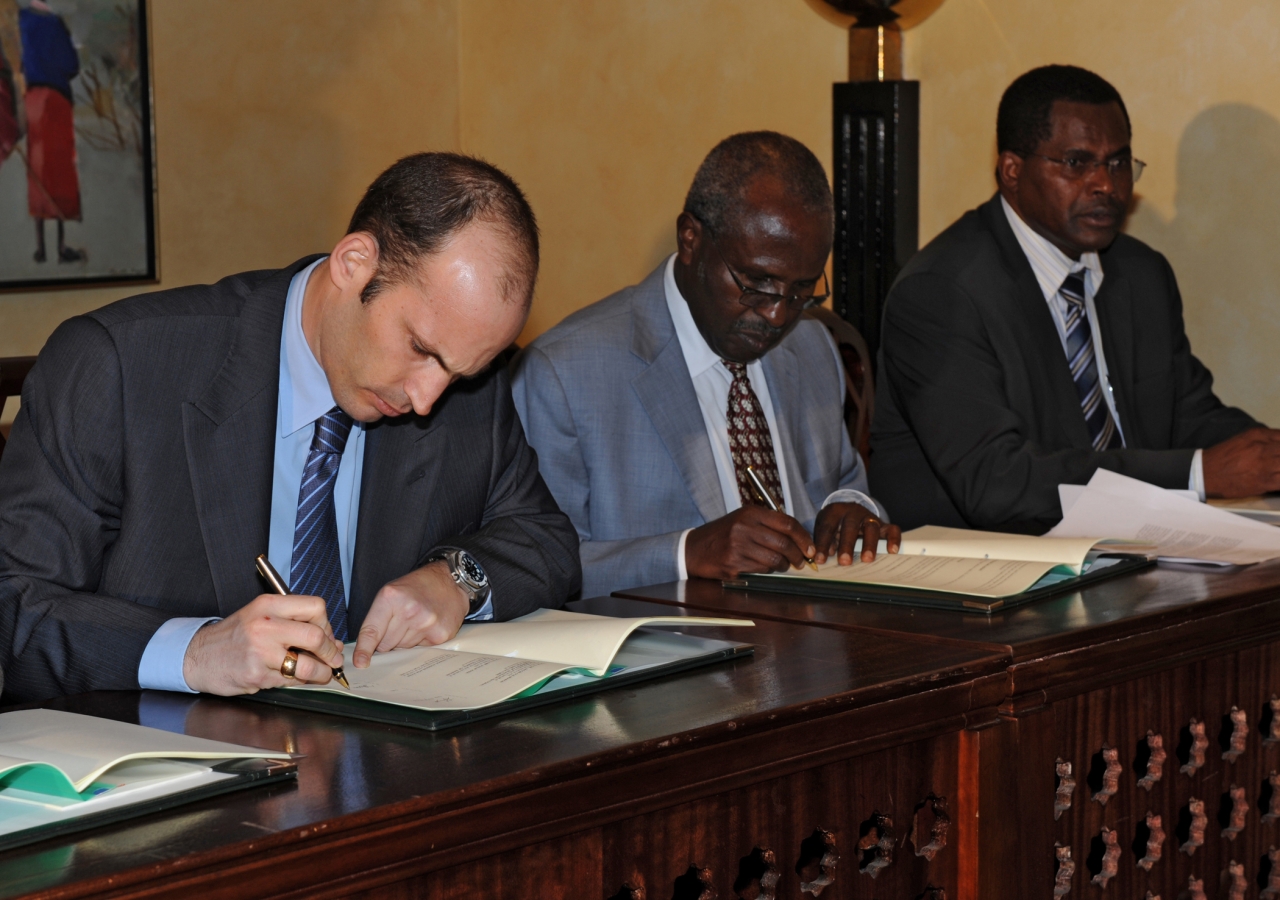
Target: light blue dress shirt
pixel 304 398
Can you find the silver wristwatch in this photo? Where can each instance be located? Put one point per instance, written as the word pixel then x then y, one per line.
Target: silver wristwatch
pixel 468 575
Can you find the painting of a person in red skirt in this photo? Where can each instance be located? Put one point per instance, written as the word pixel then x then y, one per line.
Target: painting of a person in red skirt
pixel 49 62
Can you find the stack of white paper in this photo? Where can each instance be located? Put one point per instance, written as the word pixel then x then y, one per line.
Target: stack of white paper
pixel 1182 529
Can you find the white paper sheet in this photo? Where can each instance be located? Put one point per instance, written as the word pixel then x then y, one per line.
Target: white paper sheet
pixel 489 662
pixel 1183 530
pixel 991 578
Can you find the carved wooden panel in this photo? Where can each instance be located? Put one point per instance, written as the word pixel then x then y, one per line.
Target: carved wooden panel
pixel 1064 790
pixel 1155 761
pixel 1066 871
pixel 1237 813
pixel 929 826
pixel 1152 842
pixel 1273 727
pixel 1196 822
pixel 876 844
pixel 1211 716
pixel 1238 738
pixel 1237 884
pixel 1105 780
pixel 697 883
pixel 757 876
pixel 1198 744
pixel 1272 890
pixel 817 864
pixel 1195 888
pixel 798 835
pixel 1109 865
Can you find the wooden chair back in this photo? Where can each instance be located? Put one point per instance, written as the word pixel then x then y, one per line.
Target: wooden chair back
pixel 13 371
pixel 860 392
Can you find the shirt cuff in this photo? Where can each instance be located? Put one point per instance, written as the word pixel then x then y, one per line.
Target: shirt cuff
pixel 484 613
pixel 682 568
pixel 161 666
pixel 1196 481
pixel 849 495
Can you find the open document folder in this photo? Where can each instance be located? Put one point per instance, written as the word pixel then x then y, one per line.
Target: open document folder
pixel 933 559
pixel 63 772
pixel 1181 529
pixel 489 662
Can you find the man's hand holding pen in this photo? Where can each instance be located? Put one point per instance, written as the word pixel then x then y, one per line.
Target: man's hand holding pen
pixel 242 653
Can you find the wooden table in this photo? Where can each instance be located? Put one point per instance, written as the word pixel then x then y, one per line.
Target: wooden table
pixel 1099 671
pixel 725 780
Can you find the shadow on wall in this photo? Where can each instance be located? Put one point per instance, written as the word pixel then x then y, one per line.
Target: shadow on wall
pixel 1222 243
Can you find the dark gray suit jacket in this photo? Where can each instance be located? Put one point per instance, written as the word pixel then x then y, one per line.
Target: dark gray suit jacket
pixel 136 486
pixel 977 419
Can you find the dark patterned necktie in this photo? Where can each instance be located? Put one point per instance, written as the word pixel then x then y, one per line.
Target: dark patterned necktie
pixel 750 443
pixel 1084 366
pixel 317 564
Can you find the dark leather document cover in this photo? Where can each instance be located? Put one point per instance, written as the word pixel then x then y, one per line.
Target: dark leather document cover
pixel 965 603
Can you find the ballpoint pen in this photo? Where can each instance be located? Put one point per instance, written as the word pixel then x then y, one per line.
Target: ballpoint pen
pixel 773 504
pixel 268 572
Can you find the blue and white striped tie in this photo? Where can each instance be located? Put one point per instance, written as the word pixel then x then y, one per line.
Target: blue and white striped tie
pixel 317 566
pixel 1084 366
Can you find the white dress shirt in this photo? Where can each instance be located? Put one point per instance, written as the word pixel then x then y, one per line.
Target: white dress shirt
pixel 1051 267
pixel 711 382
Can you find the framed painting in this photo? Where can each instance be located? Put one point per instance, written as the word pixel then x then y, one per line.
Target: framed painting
pixel 77 193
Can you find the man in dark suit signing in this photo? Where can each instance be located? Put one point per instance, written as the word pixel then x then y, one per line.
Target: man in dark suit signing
pixel 340 415
pixel 1031 343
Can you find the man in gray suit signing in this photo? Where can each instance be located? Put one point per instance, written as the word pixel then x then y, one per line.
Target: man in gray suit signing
pixel 339 415
pixel 647 407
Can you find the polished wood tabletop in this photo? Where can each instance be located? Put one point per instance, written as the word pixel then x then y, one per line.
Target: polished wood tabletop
pixel 1143 602
pixel 372 802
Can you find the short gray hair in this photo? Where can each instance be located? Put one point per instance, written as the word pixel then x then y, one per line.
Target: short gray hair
pixel 717 197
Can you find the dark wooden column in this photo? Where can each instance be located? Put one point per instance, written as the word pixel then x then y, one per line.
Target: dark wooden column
pixel 876 129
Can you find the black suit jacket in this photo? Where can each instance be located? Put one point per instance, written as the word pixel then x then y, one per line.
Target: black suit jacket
pixel 977 419
pixel 136 486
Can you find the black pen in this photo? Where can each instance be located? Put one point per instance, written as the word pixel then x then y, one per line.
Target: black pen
pixel 268 572
pixel 773 504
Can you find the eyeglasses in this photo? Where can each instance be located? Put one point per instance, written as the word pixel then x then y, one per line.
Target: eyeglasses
pixel 754 299
pixel 1120 168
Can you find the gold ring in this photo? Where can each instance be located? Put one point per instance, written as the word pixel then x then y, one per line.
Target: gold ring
pixel 289 668
pixel 871 520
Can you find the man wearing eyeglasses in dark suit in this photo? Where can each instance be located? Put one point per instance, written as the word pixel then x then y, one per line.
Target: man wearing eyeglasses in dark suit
pixel 1031 343
pixel 646 408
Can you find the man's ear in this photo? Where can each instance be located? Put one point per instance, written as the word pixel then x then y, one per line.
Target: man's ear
pixel 354 261
pixel 1009 170
pixel 688 238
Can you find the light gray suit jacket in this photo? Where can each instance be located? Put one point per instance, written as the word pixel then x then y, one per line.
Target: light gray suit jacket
pixel 608 404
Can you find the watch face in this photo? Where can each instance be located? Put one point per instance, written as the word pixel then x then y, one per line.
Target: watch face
pixel 471 569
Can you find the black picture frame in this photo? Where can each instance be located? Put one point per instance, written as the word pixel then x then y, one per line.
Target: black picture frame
pixel 111 107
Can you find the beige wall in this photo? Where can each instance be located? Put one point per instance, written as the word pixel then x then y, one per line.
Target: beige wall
pixel 603 109
pixel 266 132
pixel 1203 91
pixel 270 119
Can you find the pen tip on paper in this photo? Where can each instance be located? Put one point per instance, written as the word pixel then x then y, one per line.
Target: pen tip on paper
pixel 812 565
pixel 341 678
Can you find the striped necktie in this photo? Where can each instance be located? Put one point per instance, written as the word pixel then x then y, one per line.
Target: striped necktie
pixel 317 565
pixel 750 443
pixel 1084 366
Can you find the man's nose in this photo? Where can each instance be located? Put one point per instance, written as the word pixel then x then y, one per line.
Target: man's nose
pixel 425 388
pixel 1102 180
pixel 776 313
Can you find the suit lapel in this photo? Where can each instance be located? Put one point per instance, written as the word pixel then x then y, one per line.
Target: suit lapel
pixel 782 373
pixel 1029 314
pixel 229 433
pixel 666 392
pixel 400 475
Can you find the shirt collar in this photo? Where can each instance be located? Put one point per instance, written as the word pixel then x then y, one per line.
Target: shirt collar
pixel 304 388
pixel 1050 265
pixel 698 355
